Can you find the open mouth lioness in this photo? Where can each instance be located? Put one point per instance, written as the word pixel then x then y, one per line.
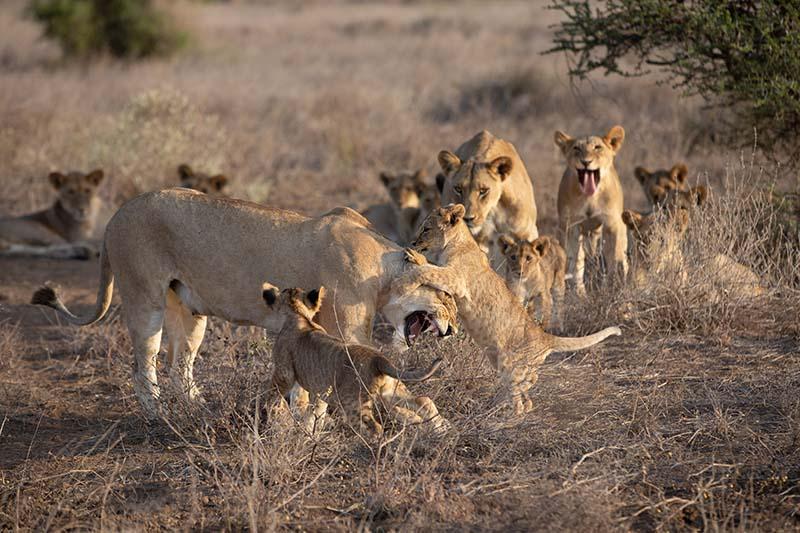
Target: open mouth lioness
pixel 421 322
pixel 589 180
pixel 425 311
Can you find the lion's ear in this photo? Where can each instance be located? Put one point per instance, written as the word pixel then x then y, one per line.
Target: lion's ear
pixel 94 177
pixel 185 172
pixel 563 141
pixel 449 162
pixel 386 178
pixel 218 182
pixel 420 175
pixel 440 178
pixel 679 173
pixel 57 179
pixel 641 174
pixel 541 245
pixel 314 299
pixel 453 213
pixel 632 219
pixel 615 137
pixel 502 166
pixel 270 294
pixel 700 194
pixel 505 242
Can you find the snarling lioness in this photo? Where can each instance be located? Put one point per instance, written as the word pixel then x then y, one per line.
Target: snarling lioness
pixel 202 182
pixel 488 177
pixel 590 203
pixel 60 231
pixel 657 184
pixel 491 314
pixel 179 256
pixel 351 376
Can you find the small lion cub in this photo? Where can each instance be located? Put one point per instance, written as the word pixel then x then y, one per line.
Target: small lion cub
pixel 536 271
pixel 200 181
pixel 350 375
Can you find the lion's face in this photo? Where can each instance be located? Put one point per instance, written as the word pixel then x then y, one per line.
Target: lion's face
pixel 522 260
pixel 477 185
pixel 77 193
pixel 422 311
pixel 291 303
pixel 204 183
pixel 404 188
pixel 590 159
pixel 438 229
pixel 657 184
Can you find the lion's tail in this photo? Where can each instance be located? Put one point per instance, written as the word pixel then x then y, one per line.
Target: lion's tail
pixel 385 366
pixel 567 344
pixel 47 296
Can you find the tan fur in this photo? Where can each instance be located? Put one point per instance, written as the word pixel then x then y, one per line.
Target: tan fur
pixel 585 217
pixel 535 273
pixel 397 219
pixel 657 240
pixel 657 184
pixel 60 231
pixel 515 344
pixel 487 176
pixel 202 182
pixel 179 256
pixel 352 376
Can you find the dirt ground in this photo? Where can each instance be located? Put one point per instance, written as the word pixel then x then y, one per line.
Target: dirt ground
pixel 690 420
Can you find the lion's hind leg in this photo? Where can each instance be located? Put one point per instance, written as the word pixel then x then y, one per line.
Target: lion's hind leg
pixel 185 333
pixel 518 378
pixel 410 409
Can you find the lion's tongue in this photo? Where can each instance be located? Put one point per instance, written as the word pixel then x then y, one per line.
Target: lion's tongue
pixel 587 181
pixel 415 327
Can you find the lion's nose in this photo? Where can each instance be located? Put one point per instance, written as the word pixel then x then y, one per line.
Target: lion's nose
pixel 585 162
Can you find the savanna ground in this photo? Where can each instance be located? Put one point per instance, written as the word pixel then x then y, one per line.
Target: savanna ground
pixel 690 420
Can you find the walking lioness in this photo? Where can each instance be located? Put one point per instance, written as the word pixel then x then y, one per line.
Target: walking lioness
pixel 515 344
pixel 590 202
pixel 179 256
pixel 350 376
pixel 60 231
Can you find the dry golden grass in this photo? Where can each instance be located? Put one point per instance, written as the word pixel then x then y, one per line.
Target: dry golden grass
pixel 691 420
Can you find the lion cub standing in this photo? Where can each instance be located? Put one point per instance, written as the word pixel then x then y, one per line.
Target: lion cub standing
pixel 590 203
pixel 60 231
pixel 535 273
pixel 351 375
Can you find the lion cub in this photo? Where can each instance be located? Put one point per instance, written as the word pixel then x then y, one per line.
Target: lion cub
pixel 350 375
pixel 60 231
pixel 200 181
pixel 535 273
pixel 397 219
pixel 590 203
pixel 657 184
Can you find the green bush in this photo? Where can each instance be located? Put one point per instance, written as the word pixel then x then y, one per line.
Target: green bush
pixel 124 28
pixel 742 54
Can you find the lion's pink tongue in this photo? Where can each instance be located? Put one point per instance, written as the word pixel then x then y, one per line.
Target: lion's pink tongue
pixel 589 187
pixel 415 327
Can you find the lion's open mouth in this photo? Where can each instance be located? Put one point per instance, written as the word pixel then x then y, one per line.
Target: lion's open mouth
pixel 421 322
pixel 589 180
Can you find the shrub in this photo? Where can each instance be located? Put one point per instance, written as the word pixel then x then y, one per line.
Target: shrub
pixel 740 54
pixel 124 28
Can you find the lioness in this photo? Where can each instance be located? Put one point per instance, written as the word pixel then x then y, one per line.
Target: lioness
pixel 590 202
pixel 397 218
pixel 179 256
pixel 657 184
pixel 492 315
pixel 350 375
pixel 202 182
pixel 488 177
pixel 535 273
pixel 61 230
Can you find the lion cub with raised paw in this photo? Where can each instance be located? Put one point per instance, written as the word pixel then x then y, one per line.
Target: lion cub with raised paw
pixel 61 230
pixel 535 273
pixel 350 375
pixel 657 184
pixel 397 219
pixel 590 202
pixel 202 182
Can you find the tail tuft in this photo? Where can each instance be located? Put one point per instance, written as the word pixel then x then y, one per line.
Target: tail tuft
pixel 47 296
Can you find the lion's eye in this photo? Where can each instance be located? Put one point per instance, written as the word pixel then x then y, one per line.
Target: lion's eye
pixel 458 190
pixel 514 257
pixel 577 149
pixel 528 258
pixel 597 148
pixel 483 191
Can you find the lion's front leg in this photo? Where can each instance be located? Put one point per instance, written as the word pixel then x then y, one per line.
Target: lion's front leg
pixel 444 279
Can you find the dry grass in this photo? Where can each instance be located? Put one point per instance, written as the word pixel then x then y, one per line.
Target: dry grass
pixel 691 420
